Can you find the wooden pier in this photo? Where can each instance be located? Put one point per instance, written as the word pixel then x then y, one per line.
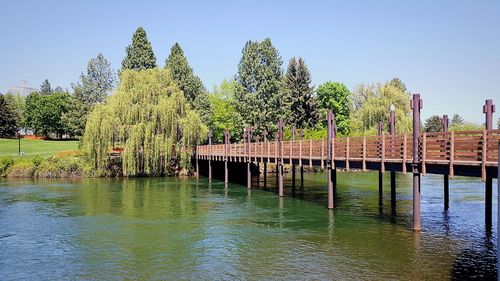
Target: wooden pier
pixel 466 153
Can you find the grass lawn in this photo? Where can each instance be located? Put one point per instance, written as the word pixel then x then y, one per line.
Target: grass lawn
pixel 31 148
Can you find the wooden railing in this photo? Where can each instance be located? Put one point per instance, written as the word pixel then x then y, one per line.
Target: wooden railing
pixel 470 148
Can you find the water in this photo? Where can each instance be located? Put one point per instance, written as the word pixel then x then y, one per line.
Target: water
pixel 188 229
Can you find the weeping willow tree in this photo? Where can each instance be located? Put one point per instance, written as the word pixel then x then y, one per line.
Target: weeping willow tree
pixel 372 106
pixel 150 120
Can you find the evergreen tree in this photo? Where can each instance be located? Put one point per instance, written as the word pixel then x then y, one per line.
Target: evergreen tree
pixel 433 124
pixel 297 87
pixel 8 118
pixel 457 120
pixel 140 53
pixel 45 88
pixel 190 84
pixel 398 84
pixel 97 83
pixel 259 99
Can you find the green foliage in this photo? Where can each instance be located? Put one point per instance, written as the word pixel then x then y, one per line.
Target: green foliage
pixel 297 88
pixel 398 84
pixel 498 123
pixel 457 120
pixel 433 124
pixel 224 113
pixel 140 53
pixel 17 101
pixel 374 108
pixel 149 117
pixel 75 118
pixel 336 96
pixel 260 100
pixel 5 164
pixel 45 88
pixel 466 126
pixel 8 118
pixel 190 84
pixel 97 83
pixel 43 113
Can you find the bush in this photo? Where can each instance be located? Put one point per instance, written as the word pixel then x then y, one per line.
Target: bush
pixel 5 164
pixel 21 169
pixel 59 168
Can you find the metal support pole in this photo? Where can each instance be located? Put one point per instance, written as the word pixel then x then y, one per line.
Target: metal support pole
pixel 446 177
pixel 265 174
pixel 267 158
pixel 332 173
pixel 416 105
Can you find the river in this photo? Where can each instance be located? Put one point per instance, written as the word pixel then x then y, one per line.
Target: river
pixel 188 229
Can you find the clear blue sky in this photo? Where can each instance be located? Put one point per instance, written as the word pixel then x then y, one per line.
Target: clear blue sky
pixel 448 51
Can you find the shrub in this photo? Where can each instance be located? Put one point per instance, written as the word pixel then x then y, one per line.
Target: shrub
pixel 21 169
pixel 5 164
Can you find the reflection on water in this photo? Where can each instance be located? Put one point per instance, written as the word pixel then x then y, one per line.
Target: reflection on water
pixel 171 228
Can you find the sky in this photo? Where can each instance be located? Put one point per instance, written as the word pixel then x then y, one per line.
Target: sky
pixel 448 51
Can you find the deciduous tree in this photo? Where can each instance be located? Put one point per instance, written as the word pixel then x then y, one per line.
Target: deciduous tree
pixel 149 117
pixel 224 115
pixel 336 96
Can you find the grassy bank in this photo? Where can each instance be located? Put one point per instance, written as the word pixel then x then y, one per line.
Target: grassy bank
pixel 41 159
pixel 32 148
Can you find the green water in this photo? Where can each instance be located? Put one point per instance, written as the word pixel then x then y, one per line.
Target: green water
pixel 188 229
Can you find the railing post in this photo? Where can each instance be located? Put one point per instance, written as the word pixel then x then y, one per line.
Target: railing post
pixel 488 110
pixel 416 105
pixel 446 177
pixel 332 173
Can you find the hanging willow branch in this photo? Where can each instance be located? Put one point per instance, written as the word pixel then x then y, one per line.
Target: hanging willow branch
pixel 150 119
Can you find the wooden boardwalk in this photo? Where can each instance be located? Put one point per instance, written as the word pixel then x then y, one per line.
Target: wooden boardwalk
pixel 467 153
pixel 464 153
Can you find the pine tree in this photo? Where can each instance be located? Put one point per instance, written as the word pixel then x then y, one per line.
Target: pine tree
pixel 140 53
pixel 8 118
pixel 97 83
pixel 45 87
pixel 298 89
pixel 190 84
pixel 259 97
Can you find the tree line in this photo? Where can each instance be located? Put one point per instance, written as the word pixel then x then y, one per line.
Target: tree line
pixel 156 113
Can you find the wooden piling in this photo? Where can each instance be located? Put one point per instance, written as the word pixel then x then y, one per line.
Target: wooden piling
pixel 446 178
pixel 488 110
pixel 281 125
pixel 331 171
pixel 416 105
